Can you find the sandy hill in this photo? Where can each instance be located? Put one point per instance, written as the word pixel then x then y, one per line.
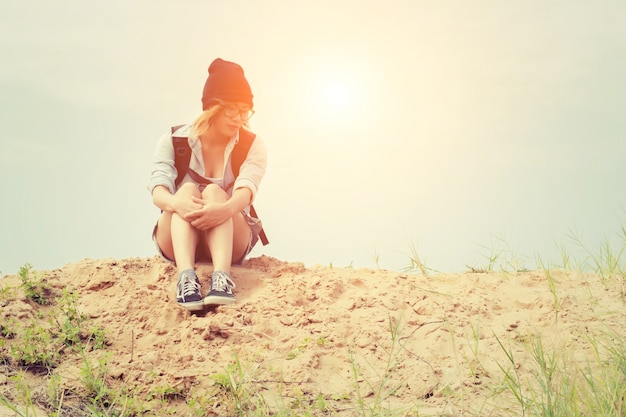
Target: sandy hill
pixel 311 328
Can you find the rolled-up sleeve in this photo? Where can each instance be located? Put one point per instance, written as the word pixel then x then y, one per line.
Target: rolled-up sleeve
pixel 253 168
pixel 163 169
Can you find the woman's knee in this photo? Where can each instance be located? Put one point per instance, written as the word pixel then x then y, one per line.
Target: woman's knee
pixel 189 188
pixel 214 192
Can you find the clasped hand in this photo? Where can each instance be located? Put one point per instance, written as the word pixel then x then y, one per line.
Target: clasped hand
pixel 207 214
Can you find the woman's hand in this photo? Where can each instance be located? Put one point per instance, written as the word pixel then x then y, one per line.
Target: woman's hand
pixel 208 215
pixel 184 204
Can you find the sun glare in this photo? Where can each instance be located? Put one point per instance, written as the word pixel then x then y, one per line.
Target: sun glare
pixel 337 94
pixel 333 93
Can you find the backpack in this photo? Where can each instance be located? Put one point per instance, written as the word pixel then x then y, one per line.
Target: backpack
pixel 182 156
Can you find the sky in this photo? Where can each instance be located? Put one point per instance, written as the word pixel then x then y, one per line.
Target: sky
pixel 451 131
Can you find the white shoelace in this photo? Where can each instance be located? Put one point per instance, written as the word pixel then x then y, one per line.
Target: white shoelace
pixel 188 285
pixel 220 281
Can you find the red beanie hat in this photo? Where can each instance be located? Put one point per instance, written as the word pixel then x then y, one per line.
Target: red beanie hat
pixel 226 82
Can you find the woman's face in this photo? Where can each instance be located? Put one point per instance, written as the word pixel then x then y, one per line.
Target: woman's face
pixel 231 117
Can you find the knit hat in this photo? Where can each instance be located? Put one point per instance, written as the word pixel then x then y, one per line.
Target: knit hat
pixel 226 82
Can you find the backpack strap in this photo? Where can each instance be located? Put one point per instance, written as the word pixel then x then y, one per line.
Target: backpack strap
pixel 182 156
pixel 240 152
pixel 262 234
pixel 238 156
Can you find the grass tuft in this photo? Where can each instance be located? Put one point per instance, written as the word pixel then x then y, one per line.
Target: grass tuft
pixel 35 288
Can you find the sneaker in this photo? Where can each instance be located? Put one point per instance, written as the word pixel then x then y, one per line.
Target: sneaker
pixel 221 289
pixel 188 291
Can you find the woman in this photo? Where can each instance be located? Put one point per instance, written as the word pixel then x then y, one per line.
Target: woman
pixel 206 214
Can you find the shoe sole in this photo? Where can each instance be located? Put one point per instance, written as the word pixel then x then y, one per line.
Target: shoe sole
pixel 192 306
pixel 214 300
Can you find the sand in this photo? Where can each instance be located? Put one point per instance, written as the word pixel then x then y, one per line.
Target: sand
pixel 312 328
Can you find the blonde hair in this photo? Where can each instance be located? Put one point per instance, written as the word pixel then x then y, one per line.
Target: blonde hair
pixel 203 122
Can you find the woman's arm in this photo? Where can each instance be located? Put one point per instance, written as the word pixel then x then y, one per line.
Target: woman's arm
pixel 241 198
pixel 213 214
pixel 163 199
pixel 163 169
pixel 180 203
pixel 253 169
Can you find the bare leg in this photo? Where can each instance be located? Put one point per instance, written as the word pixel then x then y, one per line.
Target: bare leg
pixel 176 237
pixel 230 239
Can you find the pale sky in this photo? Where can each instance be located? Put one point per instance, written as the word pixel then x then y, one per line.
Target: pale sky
pixel 444 125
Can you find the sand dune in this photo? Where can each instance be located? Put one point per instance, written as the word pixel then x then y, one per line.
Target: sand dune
pixel 312 327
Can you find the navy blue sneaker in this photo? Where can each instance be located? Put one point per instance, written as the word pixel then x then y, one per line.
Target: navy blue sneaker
pixel 221 290
pixel 188 291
